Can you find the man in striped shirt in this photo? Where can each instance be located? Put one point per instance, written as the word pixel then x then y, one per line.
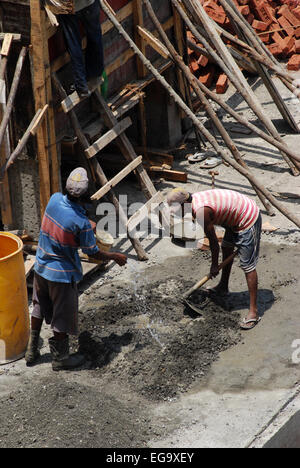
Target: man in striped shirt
pixel 65 229
pixel 241 218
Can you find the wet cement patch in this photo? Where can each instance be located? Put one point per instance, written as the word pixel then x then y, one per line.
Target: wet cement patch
pixel 145 348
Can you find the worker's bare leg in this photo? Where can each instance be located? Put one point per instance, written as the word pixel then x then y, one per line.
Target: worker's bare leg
pixel 223 286
pixel 252 281
pixel 36 324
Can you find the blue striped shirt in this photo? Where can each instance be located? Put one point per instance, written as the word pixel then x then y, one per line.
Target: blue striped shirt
pixel 65 229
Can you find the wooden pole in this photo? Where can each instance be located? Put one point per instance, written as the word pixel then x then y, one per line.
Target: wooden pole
pixel 32 128
pixel 13 92
pixel 195 120
pixel 191 79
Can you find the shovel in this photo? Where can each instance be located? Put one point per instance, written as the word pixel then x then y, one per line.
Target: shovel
pixel 202 283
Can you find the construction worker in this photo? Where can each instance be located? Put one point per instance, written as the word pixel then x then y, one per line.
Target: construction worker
pixel 65 229
pixel 241 218
pixel 90 68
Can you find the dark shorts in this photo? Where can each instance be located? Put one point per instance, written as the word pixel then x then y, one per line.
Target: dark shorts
pixel 248 244
pixel 57 304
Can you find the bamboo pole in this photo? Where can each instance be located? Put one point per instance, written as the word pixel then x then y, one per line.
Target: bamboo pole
pixel 36 121
pixel 235 75
pixel 211 113
pixel 249 36
pixel 13 92
pixel 252 179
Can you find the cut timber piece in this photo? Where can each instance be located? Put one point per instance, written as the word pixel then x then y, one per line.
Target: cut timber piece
pixel 167 174
pixel 113 182
pixel 110 136
pixel 144 211
pixel 29 264
pixel 152 41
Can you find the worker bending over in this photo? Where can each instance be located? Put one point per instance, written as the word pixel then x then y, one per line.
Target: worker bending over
pixel 241 218
pixel 65 229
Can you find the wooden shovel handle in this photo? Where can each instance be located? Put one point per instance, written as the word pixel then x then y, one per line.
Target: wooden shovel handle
pixel 208 277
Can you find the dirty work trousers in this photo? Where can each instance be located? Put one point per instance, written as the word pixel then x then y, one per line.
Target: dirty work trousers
pixel 92 65
pixel 57 304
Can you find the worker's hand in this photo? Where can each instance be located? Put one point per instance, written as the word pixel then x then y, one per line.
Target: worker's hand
pixel 120 259
pixel 214 271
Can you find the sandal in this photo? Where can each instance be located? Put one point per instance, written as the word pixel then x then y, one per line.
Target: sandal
pixel 210 163
pixel 246 322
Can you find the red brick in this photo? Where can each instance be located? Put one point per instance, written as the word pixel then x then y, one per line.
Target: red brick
pixel 259 25
pixel 294 63
pixel 297 33
pixel 296 12
pixel 207 75
pixel 285 11
pixel 194 65
pixel 244 10
pixel 202 61
pixel 288 45
pixel 275 49
pixel 297 46
pixel 222 84
pixel 286 25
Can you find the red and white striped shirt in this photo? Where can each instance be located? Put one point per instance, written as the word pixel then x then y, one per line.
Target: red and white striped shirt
pixel 231 209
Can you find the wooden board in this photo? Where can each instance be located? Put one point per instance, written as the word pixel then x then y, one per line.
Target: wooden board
pixel 106 139
pixel 113 182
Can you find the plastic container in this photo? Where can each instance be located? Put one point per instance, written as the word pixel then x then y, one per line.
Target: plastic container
pixel 105 240
pixel 14 313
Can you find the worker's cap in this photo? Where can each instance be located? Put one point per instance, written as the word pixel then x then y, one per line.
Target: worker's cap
pixel 176 198
pixel 78 182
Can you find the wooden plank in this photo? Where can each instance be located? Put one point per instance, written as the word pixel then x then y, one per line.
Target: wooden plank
pixel 6 44
pixel 29 264
pixel 108 137
pixel 16 37
pixel 168 174
pixel 113 182
pixel 73 99
pixel 144 211
pixel 153 42
pixel 39 90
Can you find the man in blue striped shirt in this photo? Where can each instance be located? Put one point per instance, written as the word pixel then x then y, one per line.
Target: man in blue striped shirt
pixel 65 229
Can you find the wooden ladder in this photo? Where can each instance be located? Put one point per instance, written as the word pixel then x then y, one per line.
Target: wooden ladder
pixel 116 132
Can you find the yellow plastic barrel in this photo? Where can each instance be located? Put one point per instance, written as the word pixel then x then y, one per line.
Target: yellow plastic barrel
pixel 14 313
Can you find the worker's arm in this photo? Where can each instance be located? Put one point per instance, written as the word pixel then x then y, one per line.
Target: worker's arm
pixel 209 229
pixel 117 257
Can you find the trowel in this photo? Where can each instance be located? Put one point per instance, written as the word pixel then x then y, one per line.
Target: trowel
pixel 196 308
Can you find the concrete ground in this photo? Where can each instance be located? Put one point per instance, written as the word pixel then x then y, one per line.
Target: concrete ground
pixel 252 389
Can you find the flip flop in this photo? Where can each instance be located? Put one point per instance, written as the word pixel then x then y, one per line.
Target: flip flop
pixel 246 322
pixel 210 163
pixel 197 157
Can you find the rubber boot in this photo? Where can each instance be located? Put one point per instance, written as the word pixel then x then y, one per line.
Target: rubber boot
pixel 32 353
pixel 61 359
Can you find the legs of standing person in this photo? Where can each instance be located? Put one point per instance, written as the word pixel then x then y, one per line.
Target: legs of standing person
pixel 90 18
pixel 249 247
pixel 41 307
pixel 71 29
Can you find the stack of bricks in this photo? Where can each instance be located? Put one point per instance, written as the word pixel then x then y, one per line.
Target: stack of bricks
pixel 276 22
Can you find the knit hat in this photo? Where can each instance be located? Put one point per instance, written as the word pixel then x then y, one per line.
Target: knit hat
pixel 78 182
pixel 176 198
